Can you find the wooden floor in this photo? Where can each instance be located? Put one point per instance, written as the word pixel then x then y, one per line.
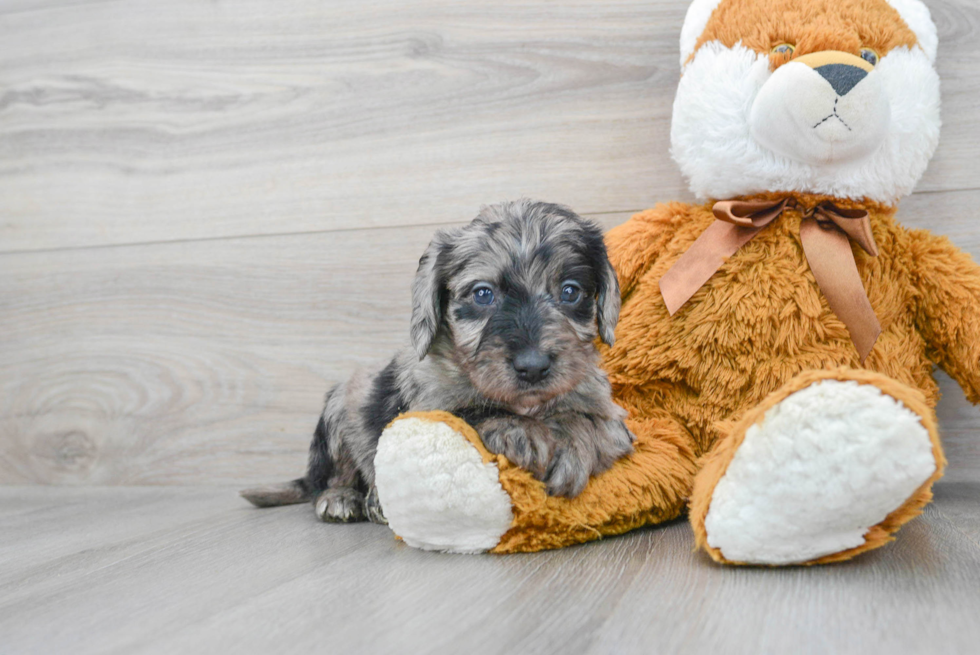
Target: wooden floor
pixel 194 570
pixel 211 212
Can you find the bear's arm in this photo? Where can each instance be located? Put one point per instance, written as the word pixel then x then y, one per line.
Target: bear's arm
pixel 635 245
pixel 948 316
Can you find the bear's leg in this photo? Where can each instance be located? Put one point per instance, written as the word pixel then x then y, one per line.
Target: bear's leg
pixel 828 466
pixel 441 489
pixel 650 486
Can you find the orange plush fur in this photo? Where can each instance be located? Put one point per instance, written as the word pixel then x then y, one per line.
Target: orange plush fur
pixel 700 378
pixel 709 366
pixel 809 26
pixel 648 487
pixel 759 329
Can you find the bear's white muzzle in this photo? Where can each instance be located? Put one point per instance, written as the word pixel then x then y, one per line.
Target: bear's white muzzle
pixel 823 108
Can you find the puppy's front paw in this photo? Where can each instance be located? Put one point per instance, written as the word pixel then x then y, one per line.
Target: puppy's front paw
pixel 613 440
pixel 340 505
pixel 372 507
pixel 588 445
pixel 524 441
pixel 568 473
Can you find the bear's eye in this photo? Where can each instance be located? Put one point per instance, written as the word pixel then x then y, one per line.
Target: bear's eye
pixel 784 49
pixel 483 295
pixel 570 293
pixel 870 56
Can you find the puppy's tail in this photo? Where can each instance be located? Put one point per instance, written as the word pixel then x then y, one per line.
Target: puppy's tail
pixel 274 495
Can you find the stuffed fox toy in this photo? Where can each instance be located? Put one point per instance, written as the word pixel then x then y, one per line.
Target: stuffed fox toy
pixel 776 342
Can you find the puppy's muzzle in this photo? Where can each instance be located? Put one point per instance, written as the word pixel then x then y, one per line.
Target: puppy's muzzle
pixel 532 365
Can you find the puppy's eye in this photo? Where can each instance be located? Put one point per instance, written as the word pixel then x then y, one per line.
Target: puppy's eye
pixel 570 293
pixel 784 49
pixel 870 56
pixel 483 295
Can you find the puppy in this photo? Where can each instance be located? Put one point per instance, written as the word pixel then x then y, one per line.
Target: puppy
pixel 505 314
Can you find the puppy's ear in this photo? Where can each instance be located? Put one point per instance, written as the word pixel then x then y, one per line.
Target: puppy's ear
pixel 428 292
pixel 607 300
pixel 607 284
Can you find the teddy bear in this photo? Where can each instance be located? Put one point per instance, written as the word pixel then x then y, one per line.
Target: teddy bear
pixel 777 339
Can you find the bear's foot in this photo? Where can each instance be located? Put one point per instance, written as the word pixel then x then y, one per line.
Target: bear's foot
pixel 438 491
pixel 827 467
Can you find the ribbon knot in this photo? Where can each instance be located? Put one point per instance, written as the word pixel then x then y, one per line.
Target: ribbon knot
pixel 825 232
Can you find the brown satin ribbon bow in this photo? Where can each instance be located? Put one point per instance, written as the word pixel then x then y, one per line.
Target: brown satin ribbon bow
pixel 825 231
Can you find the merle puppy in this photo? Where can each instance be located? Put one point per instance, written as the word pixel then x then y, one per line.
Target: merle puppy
pixel 506 311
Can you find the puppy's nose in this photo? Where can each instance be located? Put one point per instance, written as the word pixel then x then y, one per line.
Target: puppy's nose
pixel 532 365
pixel 842 77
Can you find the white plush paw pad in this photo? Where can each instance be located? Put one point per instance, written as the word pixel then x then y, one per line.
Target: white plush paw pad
pixel 436 491
pixel 825 465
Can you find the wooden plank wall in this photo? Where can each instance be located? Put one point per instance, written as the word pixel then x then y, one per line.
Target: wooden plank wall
pixel 209 212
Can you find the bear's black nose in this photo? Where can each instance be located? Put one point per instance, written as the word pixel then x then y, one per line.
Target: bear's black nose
pixel 532 365
pixel 843 77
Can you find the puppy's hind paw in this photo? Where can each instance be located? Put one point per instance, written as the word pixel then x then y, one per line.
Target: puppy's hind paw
pixel 340 505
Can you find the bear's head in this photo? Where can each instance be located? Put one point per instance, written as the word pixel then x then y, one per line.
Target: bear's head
pixel 829 97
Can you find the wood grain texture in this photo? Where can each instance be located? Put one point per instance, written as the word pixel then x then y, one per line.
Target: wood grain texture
pixel 130 122
pixel 179 570
pixel 193 362
pixel 125 122
pixel 206 362
pixel 209 213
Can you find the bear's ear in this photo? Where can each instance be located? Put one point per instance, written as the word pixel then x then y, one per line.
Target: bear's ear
pixel 914 12
pixel 916 15
pixel 695 21
pixel 428 293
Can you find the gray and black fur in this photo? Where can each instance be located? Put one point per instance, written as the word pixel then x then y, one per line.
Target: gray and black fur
pixel 506 311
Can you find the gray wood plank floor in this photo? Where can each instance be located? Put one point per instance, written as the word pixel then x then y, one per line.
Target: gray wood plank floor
pixel 194 570
pixel 210 212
